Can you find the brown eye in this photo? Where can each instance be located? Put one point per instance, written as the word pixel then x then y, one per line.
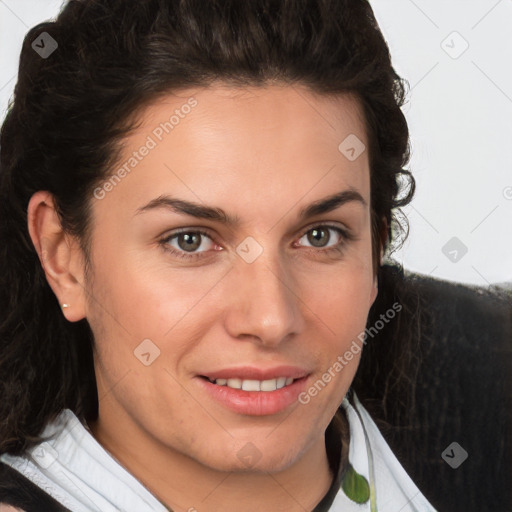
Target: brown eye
pixel 189 241
pixel 185 243
pixel 320 236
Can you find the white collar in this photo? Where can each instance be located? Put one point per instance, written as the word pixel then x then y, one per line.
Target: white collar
pixel 390 484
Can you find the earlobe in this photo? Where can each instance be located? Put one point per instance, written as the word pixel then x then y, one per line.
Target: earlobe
pixel 59 254
pixel 375 290
pixel 375 284
pixel 383 238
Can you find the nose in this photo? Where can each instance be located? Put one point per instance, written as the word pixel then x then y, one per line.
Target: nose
pixel 264 306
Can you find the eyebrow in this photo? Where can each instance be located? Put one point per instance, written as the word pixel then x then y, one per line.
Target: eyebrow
pixel 200 211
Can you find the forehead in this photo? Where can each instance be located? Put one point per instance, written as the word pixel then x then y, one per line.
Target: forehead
pixel 239 111
pixel 270 146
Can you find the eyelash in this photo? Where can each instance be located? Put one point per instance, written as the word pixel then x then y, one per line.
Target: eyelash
pixel 346 236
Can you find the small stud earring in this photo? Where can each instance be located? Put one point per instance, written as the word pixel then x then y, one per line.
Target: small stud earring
pixel 65 305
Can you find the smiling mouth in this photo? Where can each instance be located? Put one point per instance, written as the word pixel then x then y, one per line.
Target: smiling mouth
pixel 253 385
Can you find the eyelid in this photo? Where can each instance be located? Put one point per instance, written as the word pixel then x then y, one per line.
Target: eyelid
pixel 203 231
pixel 301 232
pixel 326 224
pixel 345 232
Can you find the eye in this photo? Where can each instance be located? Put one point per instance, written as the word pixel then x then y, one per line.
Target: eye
pixel 319 236
pixel 187 241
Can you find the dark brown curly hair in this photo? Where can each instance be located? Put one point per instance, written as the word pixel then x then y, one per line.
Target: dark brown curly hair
pixel 70 112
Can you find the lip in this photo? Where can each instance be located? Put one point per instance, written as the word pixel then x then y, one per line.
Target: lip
pixel 254 373
pixel 254 403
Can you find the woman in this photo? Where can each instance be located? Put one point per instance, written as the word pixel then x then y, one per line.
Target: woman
pixel 196 199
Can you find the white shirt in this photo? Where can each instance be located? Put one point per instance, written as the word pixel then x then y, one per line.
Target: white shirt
pixel 80 474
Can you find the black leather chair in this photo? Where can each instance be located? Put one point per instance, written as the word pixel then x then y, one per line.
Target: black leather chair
pixel 454 343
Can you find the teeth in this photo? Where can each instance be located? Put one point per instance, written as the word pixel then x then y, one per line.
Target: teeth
pixel 254 385
pixel 281 381
pixel 251 385
pixel 268 385
pixel 234 383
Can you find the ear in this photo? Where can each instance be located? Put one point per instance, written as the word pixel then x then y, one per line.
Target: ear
pixel 374 291
pixel 60 255
pixel 382 240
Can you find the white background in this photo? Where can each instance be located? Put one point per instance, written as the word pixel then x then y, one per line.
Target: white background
pixel 460 118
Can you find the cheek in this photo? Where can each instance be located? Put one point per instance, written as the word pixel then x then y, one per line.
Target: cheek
pixel 133 301
pixel 342 297
pixel 341 303
pixel 138 300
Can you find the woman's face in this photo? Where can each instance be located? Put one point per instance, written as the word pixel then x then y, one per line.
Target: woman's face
pixel 270 295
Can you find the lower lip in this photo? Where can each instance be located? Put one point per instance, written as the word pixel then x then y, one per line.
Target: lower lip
pixel 255 403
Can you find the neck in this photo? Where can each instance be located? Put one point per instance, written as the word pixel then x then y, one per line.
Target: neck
pixel 182 483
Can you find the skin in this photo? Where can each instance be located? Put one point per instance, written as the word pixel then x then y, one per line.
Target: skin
pixel 261 154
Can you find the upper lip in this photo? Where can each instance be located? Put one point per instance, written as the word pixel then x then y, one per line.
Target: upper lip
pixel 255 373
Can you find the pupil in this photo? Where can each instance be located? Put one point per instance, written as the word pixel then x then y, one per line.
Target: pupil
pixel 317 237
pixel 191 244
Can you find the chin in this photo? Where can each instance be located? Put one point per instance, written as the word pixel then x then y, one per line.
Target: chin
pixel 246 457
